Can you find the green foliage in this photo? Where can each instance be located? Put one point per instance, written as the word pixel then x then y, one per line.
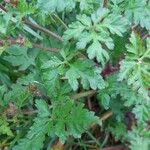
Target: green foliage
pixel 63 63
pixel 141 112
pixel 119 130
pixel 56 5
pixel 118 90
pixel 136 11
pixel 20 57
pixel 67 5
pixel 89 78
pixel 57 121
pixel 4 19
pixel 36 135
pixel 91 32
pixel 135 66
pixel 82 69
pixel 139 138
pixel 19 94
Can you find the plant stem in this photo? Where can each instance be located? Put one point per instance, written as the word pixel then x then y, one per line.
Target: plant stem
pixel 106 115
pixel 48 32
pixel 119 147
pixel 93 138
pixel 44 48
pixel 60 20
pixel 105 140
pixel 83 94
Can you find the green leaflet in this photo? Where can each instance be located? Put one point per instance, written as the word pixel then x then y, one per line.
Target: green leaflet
pixel 55 5
pixel 142 112
pixel 4 22
pixel 139 138
pixel 114 89
pixel 139 12
pixel 66 114
pixel 36 135
pixel 4 128
pixel 3 90
pixel 75 71
pixel 96 50
pixel 93 32
pixel 118 129
pixel 67 5
pixel 21 57
pixel 18 95
pixel 24 8
pixel 32 144
pixel 89 5
pixel 59 120
pixel 89 78
pixel 136 11
pixel 135 67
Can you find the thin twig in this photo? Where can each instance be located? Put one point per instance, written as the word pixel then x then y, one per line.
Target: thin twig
pixel 106 115
pixel 29 112
pixel 3 8
pixel 83 94
pixel 60 20
pixel 38 27
pixel 119 147
pixel 146 36
pixel 45 48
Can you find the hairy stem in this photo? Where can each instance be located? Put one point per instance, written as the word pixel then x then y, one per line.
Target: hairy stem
pixel 60 20
pixel 106 115
pixel 83 94
pixel 44 48
pixel 48 32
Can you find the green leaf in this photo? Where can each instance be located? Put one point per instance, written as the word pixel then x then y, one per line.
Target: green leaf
pixel 104 100
pixel 19 56
pixel 18 95
pixel 24 8
pixel 96 50
pixel 4 19
pixel 55 5
pixel 115 89
pixel 92 33
pixel 60 121
pixel 136 11
pixel 81 69
pixel 33 144
pixel 142 112
pixel 2 49
pixel 54 62
pixel 139 138
pixel 66 115
pixel 118 130
pixel 135 66
pixel 36 135
pixel 4 128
